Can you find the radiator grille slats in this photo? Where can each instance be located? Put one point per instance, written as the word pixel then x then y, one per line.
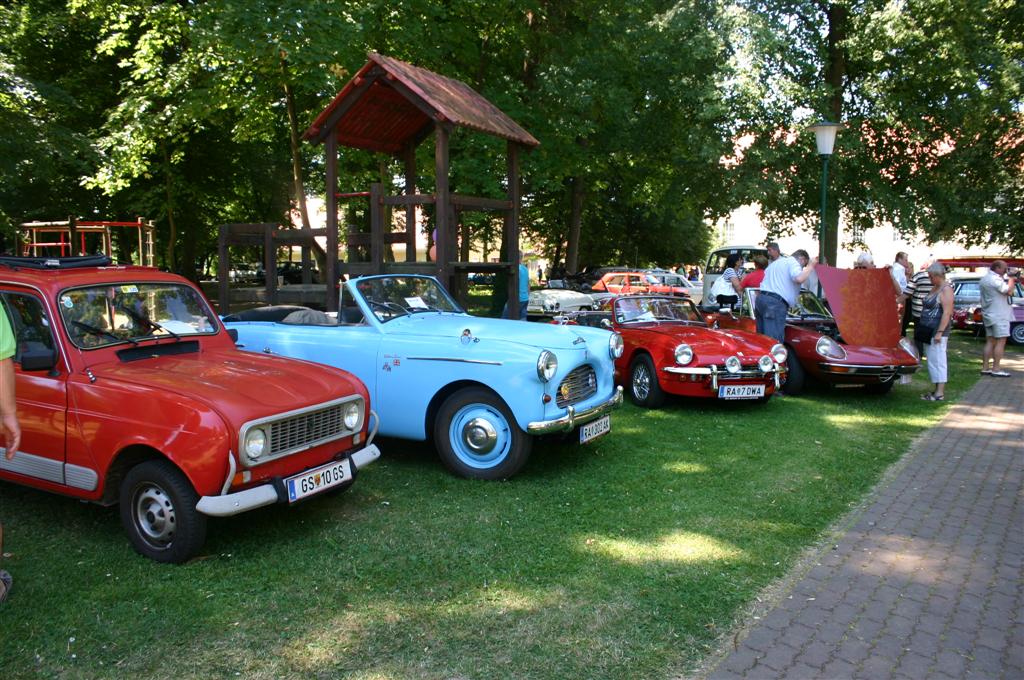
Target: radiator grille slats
pixel 306 429
pixel 580 384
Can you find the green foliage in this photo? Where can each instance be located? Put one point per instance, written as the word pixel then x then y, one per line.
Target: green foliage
pixel 930 92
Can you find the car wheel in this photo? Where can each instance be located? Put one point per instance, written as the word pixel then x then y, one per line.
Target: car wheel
pixel 477 437
pixel 644 389
pixel 158 510
pixel 1017 333
pixel 795 374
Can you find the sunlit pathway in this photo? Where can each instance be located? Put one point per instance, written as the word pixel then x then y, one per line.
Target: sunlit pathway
pixel 929 580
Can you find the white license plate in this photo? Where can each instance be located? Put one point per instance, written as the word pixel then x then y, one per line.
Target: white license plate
pixel 906 379
pixel 318 479
pixel 593 430
pixel 740 391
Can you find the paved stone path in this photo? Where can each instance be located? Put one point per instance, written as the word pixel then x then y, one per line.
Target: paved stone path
pixel 928 582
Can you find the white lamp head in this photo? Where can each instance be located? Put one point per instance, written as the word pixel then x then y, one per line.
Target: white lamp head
pixel 825 136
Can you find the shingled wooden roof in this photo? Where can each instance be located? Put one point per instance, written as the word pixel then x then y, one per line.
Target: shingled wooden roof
pixel 390 104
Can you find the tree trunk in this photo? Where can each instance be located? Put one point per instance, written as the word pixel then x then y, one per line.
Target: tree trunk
pixel 835 76
pixel 169 199
pixel 575 223
pixel 298 186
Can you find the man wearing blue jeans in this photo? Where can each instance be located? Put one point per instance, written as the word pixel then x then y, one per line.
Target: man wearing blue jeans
pixel 779 289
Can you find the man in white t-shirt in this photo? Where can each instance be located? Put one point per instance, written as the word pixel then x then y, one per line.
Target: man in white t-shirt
pixel 780 288
pixel 997 313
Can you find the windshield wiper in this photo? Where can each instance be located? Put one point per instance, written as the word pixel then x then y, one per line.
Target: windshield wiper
pixel 101 332
pixel 146 321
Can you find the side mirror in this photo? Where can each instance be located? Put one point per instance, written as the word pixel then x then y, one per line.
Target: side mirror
pixel 606 323
pixel 233 334
pixel 38 359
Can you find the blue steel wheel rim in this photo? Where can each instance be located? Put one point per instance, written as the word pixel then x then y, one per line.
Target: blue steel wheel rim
pixel 464 419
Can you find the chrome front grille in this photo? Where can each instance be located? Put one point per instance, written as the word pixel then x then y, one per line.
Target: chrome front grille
pixel 580 384
pixel 305 430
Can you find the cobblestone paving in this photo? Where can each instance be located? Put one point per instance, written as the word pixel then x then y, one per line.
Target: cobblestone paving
pixel 929 580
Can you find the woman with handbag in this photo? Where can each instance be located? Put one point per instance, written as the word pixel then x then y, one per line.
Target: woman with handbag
pixel 932 329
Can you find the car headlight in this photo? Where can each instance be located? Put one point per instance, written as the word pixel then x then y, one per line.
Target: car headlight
pixel 765 363
pixel 615 346
pixel 732 364
pixel 550 305
pixel 779 353
pixel 907 345
pixel 684 354
pixel 255 443
pixel 547 364
pixel 829 348
pixel 351 416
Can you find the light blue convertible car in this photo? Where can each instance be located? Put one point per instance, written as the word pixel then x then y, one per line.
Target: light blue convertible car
pixel 482 388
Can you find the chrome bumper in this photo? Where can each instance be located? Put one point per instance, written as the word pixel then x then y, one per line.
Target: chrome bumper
pixel 884 372
pixel 723 375
pixel 574 417
pixel 229 504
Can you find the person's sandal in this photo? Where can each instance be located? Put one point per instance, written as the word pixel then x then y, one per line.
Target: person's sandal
pixel 986 371
pixel 5 584
pixel 931 396
pixel 1000 374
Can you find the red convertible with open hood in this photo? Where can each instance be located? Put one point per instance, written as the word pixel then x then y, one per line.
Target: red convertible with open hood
pixel 669 349
pixel 852 339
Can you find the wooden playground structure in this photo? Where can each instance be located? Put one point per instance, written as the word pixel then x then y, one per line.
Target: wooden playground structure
pixel 82 237
pixel 392 107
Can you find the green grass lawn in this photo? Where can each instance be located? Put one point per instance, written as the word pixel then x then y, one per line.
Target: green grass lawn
pixel 627 558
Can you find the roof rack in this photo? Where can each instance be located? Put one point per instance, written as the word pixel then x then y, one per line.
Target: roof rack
pixel 75 262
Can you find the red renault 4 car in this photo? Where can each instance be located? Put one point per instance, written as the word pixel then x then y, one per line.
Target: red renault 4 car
pixel 131 391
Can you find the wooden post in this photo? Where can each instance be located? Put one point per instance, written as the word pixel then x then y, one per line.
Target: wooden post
pixel 222 271
pixel 511 235
pixel 410 209
pixel 442 204
pixel 270 262
pixel 377 227
pixel 330 274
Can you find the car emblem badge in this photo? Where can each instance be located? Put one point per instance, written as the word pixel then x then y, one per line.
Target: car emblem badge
pixel 564 389
pixel 578 340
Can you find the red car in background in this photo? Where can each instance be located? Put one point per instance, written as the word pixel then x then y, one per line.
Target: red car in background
pixel 636 282
pixel 853 339
pixel 131 392
pixel 669 349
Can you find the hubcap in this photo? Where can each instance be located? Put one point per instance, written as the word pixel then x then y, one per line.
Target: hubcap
pixel 641 382
pixel 154 515
pixel 479 436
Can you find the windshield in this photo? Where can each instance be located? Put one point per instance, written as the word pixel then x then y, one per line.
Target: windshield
pixel 390 297
pixel 98 316
pixel 636 309
pixel 809 304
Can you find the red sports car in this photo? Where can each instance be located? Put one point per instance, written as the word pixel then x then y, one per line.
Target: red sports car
pixel 853 339
pixel 669 349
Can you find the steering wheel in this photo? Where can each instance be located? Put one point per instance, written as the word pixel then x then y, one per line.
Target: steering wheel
pixel 391 307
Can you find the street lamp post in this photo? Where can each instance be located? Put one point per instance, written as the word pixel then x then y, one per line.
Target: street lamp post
pixel 825 136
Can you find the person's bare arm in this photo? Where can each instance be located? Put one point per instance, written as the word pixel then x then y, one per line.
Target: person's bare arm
pixel 806 272
pixel 9 427
pixel 946 300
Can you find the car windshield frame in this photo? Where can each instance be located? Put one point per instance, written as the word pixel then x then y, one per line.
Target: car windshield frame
pixel 808 306
pixel 636 309
pixel 393 296
pixel 122 312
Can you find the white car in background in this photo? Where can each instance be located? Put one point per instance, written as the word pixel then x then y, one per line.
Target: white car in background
pixel 550 302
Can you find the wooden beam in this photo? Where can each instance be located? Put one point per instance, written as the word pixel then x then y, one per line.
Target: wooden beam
pixel 330 272
pixel 409 161
pixel 410 200
pixel 444 244
pixel 480 203
pixel 377 227
pixel 270 263
pixel 512 229
pixel 222 271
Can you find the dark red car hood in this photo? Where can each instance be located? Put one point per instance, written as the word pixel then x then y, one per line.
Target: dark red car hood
pixel 863 302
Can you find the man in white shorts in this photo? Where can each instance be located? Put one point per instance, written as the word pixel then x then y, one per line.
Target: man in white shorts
pixel 997 313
